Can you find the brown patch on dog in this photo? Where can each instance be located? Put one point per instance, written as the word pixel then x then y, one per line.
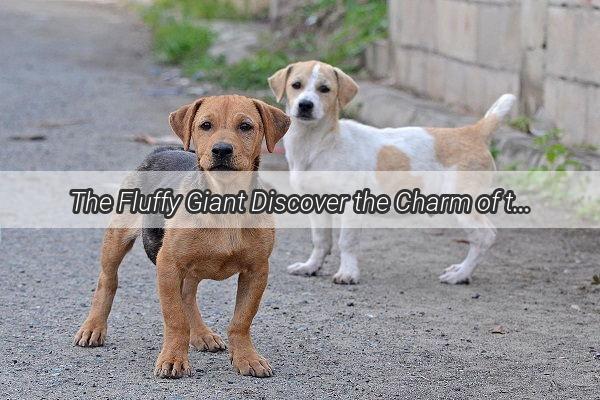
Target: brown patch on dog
pixel 465 148
pixel 347 88
pixel 390 158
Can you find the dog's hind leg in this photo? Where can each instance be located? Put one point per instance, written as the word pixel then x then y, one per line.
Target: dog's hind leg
pixel 322 242
pixel 117 242
pixel 481 235
pixel 201 336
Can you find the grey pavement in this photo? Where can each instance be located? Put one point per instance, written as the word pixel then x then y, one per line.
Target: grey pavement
pixel 80 75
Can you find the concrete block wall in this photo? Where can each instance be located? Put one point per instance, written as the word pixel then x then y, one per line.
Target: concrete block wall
pixel 572 84
pixel 464 53
pixel 468 52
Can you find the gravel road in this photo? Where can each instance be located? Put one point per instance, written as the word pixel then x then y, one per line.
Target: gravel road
pixel 80 75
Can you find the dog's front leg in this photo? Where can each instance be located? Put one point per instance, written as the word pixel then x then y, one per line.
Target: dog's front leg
pixel 117 242
pixel 322 241
pixel 173 361
pixel 349 244
pixel 201 336
pixel 244 357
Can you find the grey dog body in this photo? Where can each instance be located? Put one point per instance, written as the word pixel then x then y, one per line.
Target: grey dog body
pixel 163 159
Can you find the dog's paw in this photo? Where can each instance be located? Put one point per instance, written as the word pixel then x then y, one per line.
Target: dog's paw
pixel 303 268
pixel 91 334
pixel 345 278
pixel 455 275
pixel 251 364
pixel 172 365
pixel 207 341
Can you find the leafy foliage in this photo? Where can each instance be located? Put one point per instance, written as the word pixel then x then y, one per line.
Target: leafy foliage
pixel 178 43
pixel 557 156
pixel 335 31
pixel 340 30
pixel 521 123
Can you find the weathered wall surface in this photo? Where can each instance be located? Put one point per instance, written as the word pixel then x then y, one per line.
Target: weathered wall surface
pixel 468 52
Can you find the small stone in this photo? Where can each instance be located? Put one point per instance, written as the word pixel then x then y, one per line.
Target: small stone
pixel 196 90
pixel 199 75
pixel 499 329
pixel 475 296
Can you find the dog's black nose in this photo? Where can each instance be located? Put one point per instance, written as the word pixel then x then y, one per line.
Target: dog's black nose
pixel 306 105
pixel 222 150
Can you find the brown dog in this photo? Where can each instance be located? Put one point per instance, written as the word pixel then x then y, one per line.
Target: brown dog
pixel 227 132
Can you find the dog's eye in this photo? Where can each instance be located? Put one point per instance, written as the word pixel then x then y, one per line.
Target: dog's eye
pixel 245 127
pixel 324 89
pixel 296 85
pixel 206 126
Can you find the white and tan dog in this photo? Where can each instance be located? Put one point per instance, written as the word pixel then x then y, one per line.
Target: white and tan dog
pixel 318 140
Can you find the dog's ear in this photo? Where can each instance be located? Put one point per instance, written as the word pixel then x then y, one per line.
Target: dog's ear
pixel 275 123
pixel 347 88
pixel 278 80
pixel 182 121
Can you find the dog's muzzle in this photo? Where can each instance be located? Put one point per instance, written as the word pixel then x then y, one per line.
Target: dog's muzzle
pixel 222 154
pixel 305 109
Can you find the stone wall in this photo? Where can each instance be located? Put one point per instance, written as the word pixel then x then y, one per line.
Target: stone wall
pixel 468 52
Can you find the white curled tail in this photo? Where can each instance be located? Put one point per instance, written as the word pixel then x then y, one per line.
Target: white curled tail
pixel 488 124
pixel 502 106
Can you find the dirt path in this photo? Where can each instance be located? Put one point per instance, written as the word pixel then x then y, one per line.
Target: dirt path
pixel 80 75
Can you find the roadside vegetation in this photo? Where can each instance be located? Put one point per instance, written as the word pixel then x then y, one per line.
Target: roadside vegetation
pixel 334 31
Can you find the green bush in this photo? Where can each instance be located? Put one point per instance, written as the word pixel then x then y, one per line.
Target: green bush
pixel 252 72
pixel 521 123
pixel 181 42
pixel 341 31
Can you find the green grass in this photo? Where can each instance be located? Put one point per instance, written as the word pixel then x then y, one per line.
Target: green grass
pixel 557 156
pixel 251 72
pixel 180 39
pixel 363 22
pixel 521 123
pixel 339 32
pixel 246 74
pixel 176 40
pixel 181 42
pixel 198 9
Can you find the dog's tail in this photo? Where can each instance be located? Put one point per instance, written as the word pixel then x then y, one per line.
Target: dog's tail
pixel 490 122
